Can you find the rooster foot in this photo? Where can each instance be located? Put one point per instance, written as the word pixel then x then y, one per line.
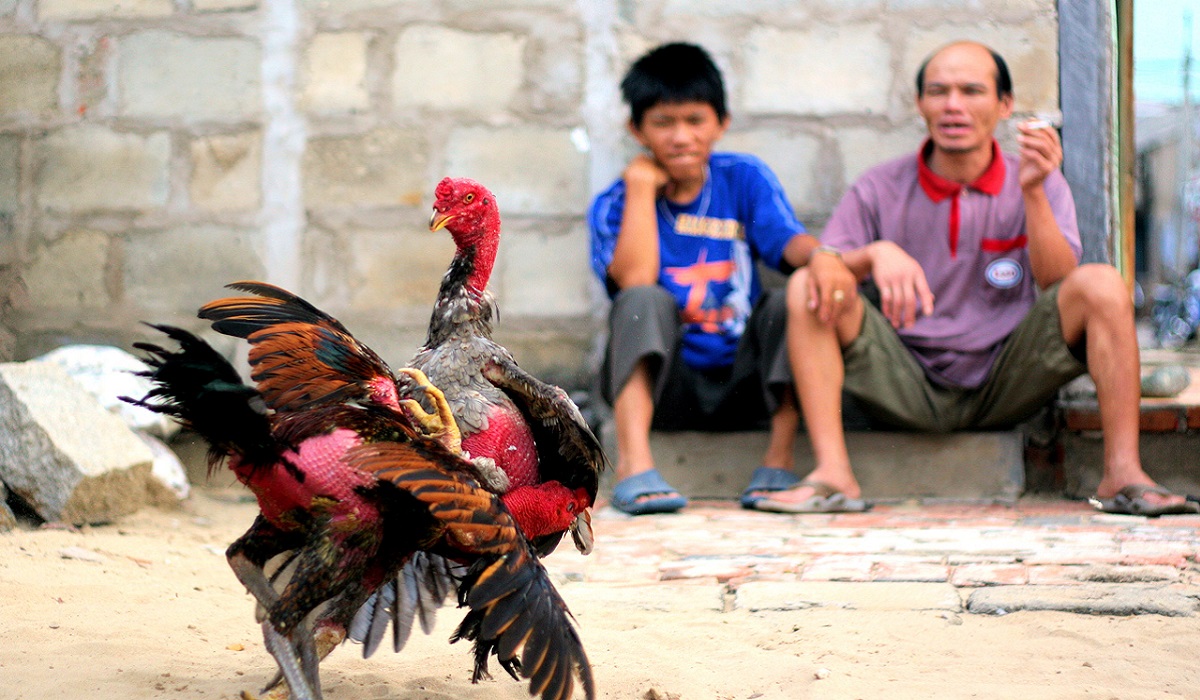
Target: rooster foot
pixel 327 638
pixel 437 423
pixel 491 477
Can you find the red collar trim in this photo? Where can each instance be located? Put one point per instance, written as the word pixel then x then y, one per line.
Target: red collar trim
pixel 939 188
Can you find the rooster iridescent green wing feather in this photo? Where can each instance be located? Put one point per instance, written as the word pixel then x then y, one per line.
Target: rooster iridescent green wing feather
pixel 301 357
pixel 515 612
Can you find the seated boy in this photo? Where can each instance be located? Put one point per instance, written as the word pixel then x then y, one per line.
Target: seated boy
pixel 695 343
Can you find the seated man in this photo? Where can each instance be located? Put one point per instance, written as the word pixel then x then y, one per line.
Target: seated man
pixel 694 343
pixel 985 310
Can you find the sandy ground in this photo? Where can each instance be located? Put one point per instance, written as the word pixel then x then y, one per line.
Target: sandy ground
pixel 151 610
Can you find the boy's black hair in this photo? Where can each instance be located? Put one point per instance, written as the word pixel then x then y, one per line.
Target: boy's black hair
pixel 672 73
pixel 1004 86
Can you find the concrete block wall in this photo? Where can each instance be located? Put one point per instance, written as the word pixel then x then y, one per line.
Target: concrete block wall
pixel 153 150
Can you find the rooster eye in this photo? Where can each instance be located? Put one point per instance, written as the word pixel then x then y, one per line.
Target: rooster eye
pixel 469 198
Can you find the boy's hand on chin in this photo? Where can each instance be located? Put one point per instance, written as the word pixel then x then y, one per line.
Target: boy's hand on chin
pixel 644 170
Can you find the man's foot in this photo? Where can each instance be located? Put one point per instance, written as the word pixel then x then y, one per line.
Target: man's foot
pixel 1144 499
pixel 645 493
pixel 812 496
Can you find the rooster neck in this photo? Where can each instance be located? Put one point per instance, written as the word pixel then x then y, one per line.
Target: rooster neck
pixel 464 307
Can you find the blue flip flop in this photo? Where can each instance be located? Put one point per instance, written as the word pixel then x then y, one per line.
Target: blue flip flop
pixel 767 479
pixel 627 492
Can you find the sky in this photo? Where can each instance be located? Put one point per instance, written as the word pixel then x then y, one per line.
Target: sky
pixel 1158 49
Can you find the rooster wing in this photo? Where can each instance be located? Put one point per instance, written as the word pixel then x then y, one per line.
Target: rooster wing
pixel 301 357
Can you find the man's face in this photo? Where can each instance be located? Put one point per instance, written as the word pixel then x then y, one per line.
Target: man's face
pixel 680 136
pixel 960 103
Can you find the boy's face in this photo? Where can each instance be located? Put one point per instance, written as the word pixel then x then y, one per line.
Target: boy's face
pixel 961 106
pixel 680 136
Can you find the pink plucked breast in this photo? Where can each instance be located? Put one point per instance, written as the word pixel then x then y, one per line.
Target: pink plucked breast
pixel 509 441
pixel 325 473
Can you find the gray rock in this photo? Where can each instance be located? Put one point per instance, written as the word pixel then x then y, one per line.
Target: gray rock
pixel 1165 382
pixel 62 452
pixel 7 520
pixel 108 373
pixel 1095 599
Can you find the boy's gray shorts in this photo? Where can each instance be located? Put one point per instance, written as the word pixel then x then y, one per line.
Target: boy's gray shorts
pixel 644 323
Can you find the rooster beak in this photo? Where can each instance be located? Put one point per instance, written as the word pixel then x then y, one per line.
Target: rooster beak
pixel 437 224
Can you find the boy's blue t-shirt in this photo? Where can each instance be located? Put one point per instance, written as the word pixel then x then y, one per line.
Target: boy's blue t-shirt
pixel 708 249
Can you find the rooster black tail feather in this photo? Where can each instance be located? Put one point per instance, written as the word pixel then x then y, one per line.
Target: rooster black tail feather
pixel 515 609
pixel 200 388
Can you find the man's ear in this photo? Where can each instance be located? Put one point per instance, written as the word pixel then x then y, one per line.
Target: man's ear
pixel 1006 106
pixel 636 132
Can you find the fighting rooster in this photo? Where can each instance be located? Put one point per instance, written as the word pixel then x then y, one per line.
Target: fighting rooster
pixel 354 479
pixel 526 438
pixel 532 430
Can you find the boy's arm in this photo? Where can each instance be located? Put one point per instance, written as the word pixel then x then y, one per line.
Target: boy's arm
pixel 635 259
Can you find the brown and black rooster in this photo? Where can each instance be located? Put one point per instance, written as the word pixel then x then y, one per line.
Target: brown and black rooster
pixel 355 479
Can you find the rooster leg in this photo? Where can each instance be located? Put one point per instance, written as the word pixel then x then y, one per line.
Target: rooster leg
pixel 439 423
pixel 327 638
pixel 290 663
pixel 249 554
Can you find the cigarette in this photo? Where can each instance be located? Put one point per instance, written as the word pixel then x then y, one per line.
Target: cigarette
pixel 1033 124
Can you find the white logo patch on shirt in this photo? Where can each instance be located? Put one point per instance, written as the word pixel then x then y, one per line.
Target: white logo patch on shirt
pixel 1004 273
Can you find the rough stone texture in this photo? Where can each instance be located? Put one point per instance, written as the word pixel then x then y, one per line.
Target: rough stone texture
pixel 795 160
pixel 780 595
pixel 7 520
pixel 550 180
pixel 1031 51
pixel 863 148
pixel 94 168
pixel 29 72
pixel 100 9
pixel 62 453
pixel 164 275
pixel 222 5
pixel 528 286
pixel 10 173
pixel 69 273
pixel 778 82
pixel 174 76
pixel 470 70
pixel 382 168
pixel 398 269
pixel 1095 599
pixel 335 70
pixel 226 171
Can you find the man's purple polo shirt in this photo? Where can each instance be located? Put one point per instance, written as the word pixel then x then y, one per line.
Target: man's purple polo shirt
pixel 971 242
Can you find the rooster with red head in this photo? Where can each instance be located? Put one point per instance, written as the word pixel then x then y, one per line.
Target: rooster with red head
pixel 531 430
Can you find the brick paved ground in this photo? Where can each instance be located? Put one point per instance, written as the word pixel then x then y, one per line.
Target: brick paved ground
pixel 1040 554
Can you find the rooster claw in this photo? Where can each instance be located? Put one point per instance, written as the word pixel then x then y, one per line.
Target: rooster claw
pixel 436 422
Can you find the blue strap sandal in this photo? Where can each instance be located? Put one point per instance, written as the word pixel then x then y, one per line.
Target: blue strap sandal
pixel 649 483
pixel 765 480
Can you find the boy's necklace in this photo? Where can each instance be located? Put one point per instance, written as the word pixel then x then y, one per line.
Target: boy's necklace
pixel 705 197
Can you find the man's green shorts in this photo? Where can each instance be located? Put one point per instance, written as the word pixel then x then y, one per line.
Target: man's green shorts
pixel 892 388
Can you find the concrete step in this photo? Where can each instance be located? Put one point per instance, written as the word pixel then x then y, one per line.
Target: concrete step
pixel 1170 439
pixel 890 466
